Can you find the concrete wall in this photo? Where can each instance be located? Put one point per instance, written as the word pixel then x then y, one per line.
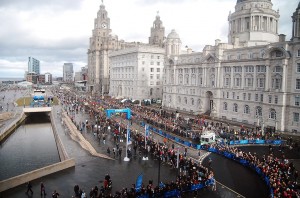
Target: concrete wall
pixel 22 179
pixel 63 155
pixel 7 131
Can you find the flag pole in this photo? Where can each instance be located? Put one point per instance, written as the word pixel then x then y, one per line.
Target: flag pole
pixel 126 158
pixel 145 157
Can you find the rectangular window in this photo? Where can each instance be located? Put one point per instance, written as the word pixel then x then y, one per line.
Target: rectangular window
pixel 158 57
pixel 151 69
pixel 158 63
pixel 249 96
pixel 233 95
pixel 152 56
pixel 297 100
pixel 227 80
pixel 261 82
pixel 298 53
pixel 256 97
pixel 298 67
pixel 143 69
pixel 157 76
pixel 244 96
pixel 296 117
pixel 297 83
pixel 227 95
pixel 151 76
pixel 151 63
pixel 270 99
pixel 157 69
pixel 261 97
pixel 276 99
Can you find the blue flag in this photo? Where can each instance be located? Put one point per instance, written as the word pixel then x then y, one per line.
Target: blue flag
pixel 139 182
pixel 162 185
pixel 128 136
pixel 146 130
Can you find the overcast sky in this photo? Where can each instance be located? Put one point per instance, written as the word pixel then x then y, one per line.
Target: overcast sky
pixel 58 31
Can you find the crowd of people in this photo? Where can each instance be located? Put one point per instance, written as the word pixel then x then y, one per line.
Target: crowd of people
pixel 281 173
pixel 191 172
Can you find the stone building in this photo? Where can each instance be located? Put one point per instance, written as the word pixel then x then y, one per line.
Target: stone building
pixel 136 72
pixel 254 78
pixel 102 42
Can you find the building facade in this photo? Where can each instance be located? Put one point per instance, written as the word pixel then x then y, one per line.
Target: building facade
pixel 254 78
pixel 68 72
pixel 136 72
pixel 33 65
pixel 103 42
pixel 48 78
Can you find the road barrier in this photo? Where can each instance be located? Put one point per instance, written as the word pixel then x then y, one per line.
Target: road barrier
pixel 178 193
pixel 224 153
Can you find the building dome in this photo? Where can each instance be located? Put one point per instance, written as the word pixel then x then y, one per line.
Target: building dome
pixel 173 35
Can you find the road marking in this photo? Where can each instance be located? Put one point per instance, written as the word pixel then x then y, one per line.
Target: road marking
pixel 238 194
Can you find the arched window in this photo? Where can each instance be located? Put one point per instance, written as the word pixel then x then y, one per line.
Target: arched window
pixel 246 109
pixel 200 80
pixel 199 102
pixel 225 107
pixel 180 79
pixel 193 79
pixel 227 80
pixel 186 79
pixel 276 81
pixel 235 107
pixel 249 81
pixel 272 114
pixel 237 80
pixel 151 91
pixel 212 80
pixel 258 111
pixel 185 100
pixel 261 80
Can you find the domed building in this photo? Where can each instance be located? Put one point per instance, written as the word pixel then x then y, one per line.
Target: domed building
pixel 253 79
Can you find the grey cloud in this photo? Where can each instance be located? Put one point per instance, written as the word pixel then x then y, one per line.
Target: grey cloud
pixel 33 4
pixel 154 2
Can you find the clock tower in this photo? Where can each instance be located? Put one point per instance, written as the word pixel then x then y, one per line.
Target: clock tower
pixel 101 43
pixel 157 36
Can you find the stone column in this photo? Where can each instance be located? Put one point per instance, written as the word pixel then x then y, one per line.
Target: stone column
pixel 243 79
pixel 267 85
pixel 231 78
pixel 284 78
pixel 204 79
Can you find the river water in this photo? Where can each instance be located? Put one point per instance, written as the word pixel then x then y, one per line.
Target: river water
pixel 30 147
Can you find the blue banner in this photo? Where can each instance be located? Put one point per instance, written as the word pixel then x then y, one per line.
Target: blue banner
pixel 146 130
pixel 139 182
pixel 128 136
